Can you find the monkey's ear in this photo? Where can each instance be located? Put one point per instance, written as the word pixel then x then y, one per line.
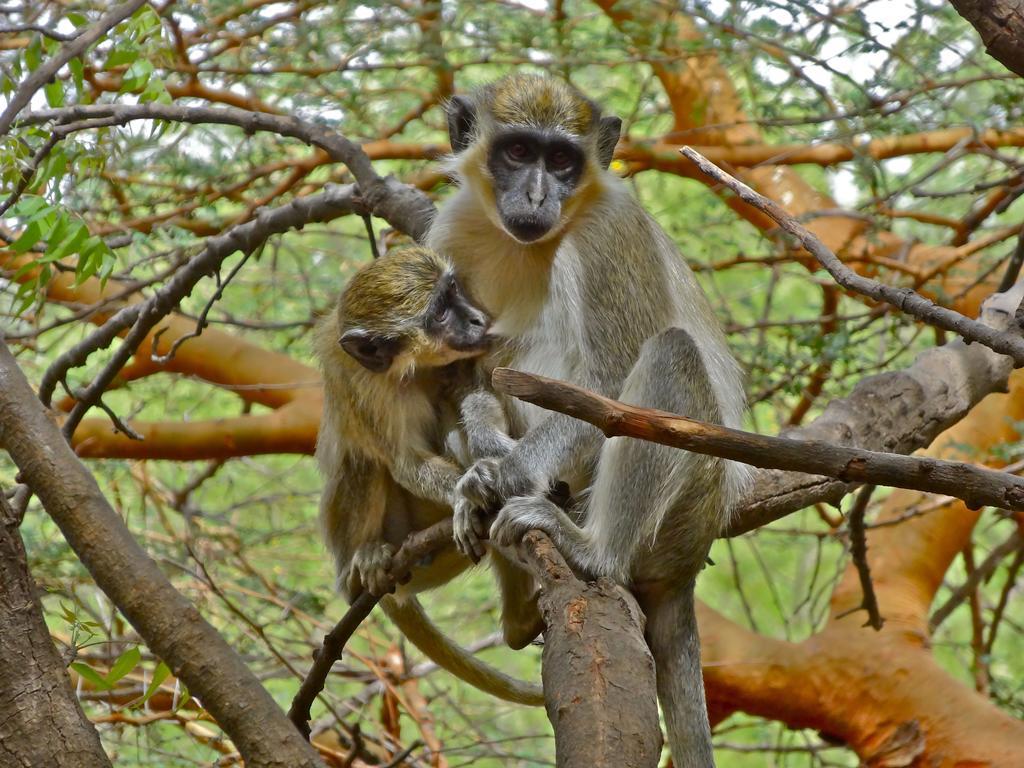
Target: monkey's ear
pixel 607 137
pixel 461 119
pixel 374 353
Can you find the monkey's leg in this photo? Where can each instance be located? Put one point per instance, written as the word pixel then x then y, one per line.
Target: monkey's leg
pixel 520 618
pixel 652 514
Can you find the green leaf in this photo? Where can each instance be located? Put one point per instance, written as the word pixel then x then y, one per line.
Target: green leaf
pixel 29 205
pixel 138 75
pixel 185 696
pixel 91 675
pixel 54 168
pixel 33 54
pixel 125 663
pixel 160 674
pixel 54 93
pixel 70 244
pixel 29 237
pixel 77 19
pixel 77 73
pixel 121 56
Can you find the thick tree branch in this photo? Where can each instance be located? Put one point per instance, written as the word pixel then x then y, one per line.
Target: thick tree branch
pixel 34 684
pixel 594 649
pixel 1001 26
pixel 168 622
pixel 977 486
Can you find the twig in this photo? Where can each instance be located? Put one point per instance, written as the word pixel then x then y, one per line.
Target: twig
pixel 397 759
pixel 76 47
pixel 201 321
pixel 1004 599
pixel 977 486
pixel 414 548
pixel 982 572
pixel 1013 265
pixel 904 299
pixel 12 29
pixel 859 553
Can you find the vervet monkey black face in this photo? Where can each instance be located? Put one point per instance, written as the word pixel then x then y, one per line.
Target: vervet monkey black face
pixel 534 172
pixel 538 147
pixel 408 305
pixel 452 321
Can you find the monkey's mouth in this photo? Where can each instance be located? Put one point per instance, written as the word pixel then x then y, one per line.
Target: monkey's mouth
pixel 526 229
pixel 471 344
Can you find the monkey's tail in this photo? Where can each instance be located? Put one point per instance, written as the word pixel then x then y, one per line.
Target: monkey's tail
pixel 675 645
pixel 409 616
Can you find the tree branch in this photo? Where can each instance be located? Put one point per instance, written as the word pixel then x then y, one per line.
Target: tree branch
pixel 977 486
pixel 401 205
pixel 168 622
pixel 34 683
pixel 904 299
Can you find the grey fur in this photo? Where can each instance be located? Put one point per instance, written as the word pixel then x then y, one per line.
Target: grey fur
pixel 579 305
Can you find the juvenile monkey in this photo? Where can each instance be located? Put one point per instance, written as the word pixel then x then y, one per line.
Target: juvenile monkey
pixel 587 288
pixel 396 361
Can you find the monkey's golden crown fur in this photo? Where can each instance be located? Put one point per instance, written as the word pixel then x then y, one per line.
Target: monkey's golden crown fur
pixel 542 102
pixel 396 281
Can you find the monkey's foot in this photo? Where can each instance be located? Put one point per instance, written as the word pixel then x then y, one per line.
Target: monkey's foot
pixel 371 564
pixel 536 513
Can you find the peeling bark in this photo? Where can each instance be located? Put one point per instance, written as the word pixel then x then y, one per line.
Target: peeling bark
pixel 599 686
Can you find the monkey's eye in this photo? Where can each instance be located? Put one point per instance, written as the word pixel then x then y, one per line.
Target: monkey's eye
pixel 441 315
pixel 560 159
pixel 517 151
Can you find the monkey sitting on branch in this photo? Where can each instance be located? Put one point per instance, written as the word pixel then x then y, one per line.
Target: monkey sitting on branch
pixel 403 415
pixel 586 287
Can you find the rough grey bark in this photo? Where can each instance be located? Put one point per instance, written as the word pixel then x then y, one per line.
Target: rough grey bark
pixel 598 674
pixel 34 686
pixel 1001 26
pixel 169 623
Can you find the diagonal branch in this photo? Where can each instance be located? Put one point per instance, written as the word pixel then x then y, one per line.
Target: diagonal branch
pixel 904 299
pixel 168 622
pixel 47 71
pixel 977 486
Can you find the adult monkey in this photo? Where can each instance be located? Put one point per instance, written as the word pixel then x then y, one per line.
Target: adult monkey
pixel 589 289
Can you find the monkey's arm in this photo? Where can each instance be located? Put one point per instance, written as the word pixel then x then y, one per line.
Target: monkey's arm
pixel 485 426
pixel 353 512
pixel 427 476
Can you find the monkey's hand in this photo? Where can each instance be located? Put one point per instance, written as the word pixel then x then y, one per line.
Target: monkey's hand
pixel 370 568
pixel 489 483
pixel 472 497
pixel 469 529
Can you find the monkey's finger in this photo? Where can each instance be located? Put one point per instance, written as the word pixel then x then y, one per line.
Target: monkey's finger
pixel 479 524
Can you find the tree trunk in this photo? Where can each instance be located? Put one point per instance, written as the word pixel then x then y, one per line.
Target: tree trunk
pixel 41 723
pixel 1001 26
